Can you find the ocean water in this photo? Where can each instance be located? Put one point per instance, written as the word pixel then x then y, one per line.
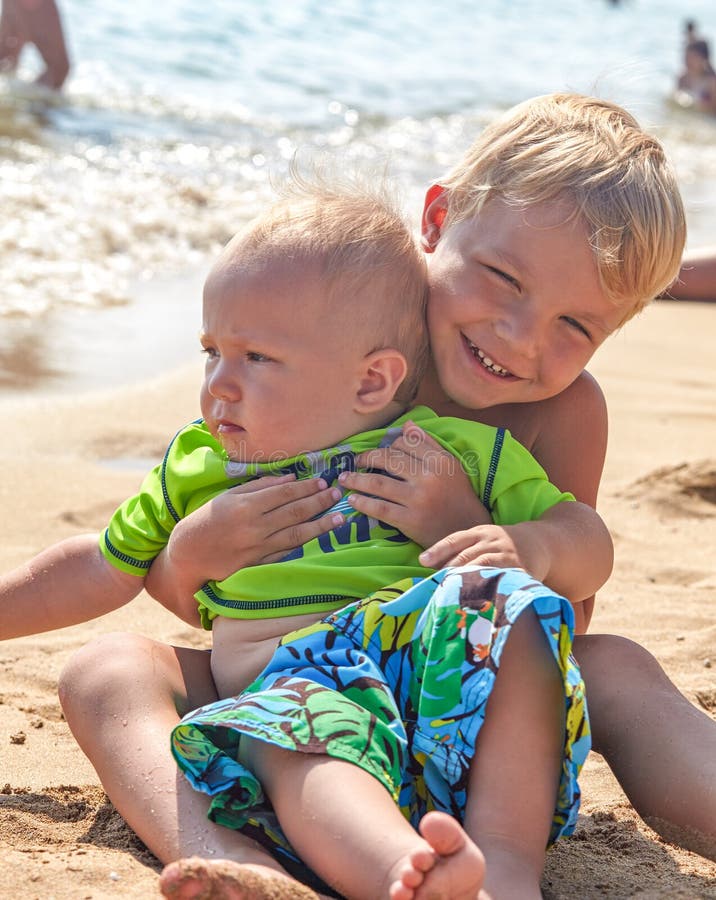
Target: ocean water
pixel 176 119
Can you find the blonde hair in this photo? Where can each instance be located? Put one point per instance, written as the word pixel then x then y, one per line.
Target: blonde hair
pixel 594 155
pixel 357 240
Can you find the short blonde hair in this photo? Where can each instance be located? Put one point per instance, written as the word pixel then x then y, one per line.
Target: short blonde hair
pixel 355 236
pixel 594 155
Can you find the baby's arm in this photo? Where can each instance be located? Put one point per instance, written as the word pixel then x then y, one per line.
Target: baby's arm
pixel 70 582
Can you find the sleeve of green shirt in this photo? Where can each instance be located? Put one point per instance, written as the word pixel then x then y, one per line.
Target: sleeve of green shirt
pixel 521 490
pixel 504 474
pixel 139 529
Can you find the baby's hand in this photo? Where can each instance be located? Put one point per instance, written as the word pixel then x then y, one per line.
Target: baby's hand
pixel 425 493
pixel 254 523
pixel 510 546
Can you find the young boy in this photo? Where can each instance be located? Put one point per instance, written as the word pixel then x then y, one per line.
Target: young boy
pixel 306 348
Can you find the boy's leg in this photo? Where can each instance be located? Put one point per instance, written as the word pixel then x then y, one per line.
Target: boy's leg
pixel 518 756
pixel 121 696
pixel 660 746
pixel 344 824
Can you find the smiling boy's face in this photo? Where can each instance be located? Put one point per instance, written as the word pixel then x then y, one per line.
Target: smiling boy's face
pixel 283 369
pixel 516 306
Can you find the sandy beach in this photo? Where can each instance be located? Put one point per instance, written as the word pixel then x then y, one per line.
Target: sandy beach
pixel 67 461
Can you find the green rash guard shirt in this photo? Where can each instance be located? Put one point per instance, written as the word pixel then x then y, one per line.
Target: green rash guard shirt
pixel 348 563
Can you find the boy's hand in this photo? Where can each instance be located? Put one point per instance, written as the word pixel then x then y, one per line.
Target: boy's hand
pixel 250 524
pixel 510 546
pixel 425 492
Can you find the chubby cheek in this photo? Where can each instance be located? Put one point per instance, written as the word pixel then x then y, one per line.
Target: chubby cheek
pixel 205 405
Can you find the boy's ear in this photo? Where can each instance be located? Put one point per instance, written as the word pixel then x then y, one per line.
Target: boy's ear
pixel 434 212
pixel 382 373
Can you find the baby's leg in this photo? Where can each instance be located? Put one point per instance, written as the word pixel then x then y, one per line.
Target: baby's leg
pixel 344 824
pixel 224 879
pixel 121 695
pixel 515 773
pixel 660 746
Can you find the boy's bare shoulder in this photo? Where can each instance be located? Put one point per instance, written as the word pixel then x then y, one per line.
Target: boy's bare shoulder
pixel 583 398
pixel 577 405
pixel 571 437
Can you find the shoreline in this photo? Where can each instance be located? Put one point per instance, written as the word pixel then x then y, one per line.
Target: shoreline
pixel 72 456
pixel 75 350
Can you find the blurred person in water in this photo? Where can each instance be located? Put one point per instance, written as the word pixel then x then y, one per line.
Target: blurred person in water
pixel 34 22
pixel 696 86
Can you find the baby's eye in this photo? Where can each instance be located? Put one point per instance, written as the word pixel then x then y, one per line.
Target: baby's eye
pixel 209 352
pixel 253 356
pixel 573 323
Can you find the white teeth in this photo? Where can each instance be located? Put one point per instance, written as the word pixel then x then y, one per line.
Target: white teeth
pixel 486 361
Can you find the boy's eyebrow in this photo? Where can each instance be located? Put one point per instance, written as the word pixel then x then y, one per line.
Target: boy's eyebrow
pixel 510 260
pixel 598 322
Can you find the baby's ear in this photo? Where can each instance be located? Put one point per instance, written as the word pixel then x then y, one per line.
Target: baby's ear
pixel 382 373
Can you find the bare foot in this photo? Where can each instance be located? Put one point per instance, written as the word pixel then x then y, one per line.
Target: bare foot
pixel 450 866
pixel 223 879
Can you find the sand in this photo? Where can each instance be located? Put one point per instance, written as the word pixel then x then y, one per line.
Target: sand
pixel 68 460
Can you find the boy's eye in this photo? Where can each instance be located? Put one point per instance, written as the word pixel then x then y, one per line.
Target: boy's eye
pixel 504 276
pixel 209 352
pixel 253 356
pixel 573 323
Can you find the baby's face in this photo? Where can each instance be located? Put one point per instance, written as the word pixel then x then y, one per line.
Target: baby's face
pixel 281 374
pixel 516 305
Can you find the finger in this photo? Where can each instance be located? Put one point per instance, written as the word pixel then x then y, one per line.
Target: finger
pixel 300 511
pixel 405 453
pixel 394 514
pixel 280 493
pixel 260 484
pixel 470 556
pixel 444 551
pixel 281 542
pixel 395 490
pixel 389 459
pixel 417 442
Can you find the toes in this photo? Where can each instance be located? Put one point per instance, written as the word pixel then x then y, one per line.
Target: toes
pixel 444 834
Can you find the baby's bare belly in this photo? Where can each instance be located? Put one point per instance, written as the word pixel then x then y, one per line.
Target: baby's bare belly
pixel 242 647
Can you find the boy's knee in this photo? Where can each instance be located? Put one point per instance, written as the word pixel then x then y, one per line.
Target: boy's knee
pixel 611 663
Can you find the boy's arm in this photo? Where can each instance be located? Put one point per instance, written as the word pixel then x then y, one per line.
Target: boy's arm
pixel 569 440
pixel 568 548
pixel 565 544
pixel 70 582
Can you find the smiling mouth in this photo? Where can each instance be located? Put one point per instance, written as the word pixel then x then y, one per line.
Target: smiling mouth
pixel 485 360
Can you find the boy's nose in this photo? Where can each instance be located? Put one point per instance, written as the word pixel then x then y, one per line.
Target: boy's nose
pixel 521 332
